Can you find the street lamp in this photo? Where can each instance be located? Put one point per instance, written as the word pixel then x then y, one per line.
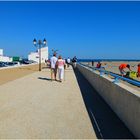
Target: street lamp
pixel 39 44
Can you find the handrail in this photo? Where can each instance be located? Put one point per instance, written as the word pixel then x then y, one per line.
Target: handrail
pixel 116 76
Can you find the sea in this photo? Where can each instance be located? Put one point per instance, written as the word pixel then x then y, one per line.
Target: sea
pixel 100 60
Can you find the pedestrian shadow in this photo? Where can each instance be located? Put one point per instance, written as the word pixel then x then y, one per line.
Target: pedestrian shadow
pixel 43 78
pixel 104 121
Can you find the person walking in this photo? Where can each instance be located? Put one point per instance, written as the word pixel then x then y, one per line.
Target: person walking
pixel 122 67
pixel 60 64
pixel 74 60
pixel 68 62
pixel 53 61
pixel 92 62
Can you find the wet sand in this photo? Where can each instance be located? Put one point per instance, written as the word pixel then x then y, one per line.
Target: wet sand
pixel 10 74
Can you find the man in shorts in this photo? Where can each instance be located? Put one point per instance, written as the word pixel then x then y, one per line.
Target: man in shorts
pixel 53 61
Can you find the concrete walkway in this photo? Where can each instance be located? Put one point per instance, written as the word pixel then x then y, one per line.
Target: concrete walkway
pixel 34 107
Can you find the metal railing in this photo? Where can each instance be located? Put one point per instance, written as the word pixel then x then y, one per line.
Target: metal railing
pixel 116 76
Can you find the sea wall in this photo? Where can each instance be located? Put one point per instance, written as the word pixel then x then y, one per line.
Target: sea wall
pixel 124 100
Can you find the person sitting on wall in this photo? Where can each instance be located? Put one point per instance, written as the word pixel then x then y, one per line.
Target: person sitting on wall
pixel 98 65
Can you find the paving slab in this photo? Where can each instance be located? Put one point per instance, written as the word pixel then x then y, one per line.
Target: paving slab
pixel 33 107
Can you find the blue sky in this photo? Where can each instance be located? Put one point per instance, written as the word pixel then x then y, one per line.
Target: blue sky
pixel 85 29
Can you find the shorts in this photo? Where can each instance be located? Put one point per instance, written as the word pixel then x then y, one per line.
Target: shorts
pixel 53 70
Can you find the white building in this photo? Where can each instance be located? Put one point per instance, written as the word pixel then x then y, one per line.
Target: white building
pixel 4 58
pixel 35 55
pixel 1 52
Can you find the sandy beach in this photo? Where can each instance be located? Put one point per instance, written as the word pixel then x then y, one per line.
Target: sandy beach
pixel 112 66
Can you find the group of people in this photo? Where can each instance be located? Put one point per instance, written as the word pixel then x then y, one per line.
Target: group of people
pixel 57 64
pixel 122 68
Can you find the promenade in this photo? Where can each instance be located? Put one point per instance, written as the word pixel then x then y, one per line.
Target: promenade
pixel 34 107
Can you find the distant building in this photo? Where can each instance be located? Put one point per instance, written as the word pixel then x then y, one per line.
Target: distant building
pixel 1 52
pixel 4 58
pixel 35 55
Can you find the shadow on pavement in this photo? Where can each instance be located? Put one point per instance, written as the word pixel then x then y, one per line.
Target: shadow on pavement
pixel 48 79
pixel 105 122
pixel 42 78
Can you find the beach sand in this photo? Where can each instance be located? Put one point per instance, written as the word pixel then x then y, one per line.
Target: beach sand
pixel 113 67
pixel 10 74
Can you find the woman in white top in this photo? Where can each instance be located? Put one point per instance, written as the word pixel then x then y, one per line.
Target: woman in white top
pixel 60 65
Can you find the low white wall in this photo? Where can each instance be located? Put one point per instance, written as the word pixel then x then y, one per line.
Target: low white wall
pixel 16 66
pixel 124 100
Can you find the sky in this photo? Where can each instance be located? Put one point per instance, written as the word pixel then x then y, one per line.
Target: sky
pixel 88 30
